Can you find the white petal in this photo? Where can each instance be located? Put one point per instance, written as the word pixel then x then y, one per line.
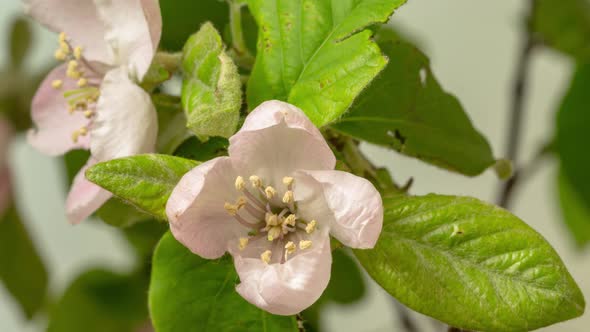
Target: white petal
pixel 85 197
pixel 78 19
pixel 289 288
pixel 276 140
pixel 126 122
pixel 349 204
pixel 133 31
pixel 196 211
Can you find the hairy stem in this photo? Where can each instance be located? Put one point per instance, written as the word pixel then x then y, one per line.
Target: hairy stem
pixel 240 50
pixel 517 110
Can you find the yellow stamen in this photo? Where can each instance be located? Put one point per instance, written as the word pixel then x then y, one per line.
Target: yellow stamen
pixel 60 55
pixel 241 202
pixel 231 209
pixel 265 256
pixel 305 244
pixel 64 47
pixel 75 136
pixel 288 197
pixel 270 192
pixel 240 183
pixel 56 84
pixel 74 74
pixel 288 181
pixel 73 64
pixel 290 248
pixel 88 114
pixel 82 82
pixel 271 219
pixel 78 52
pixel 290 220
pixel 311 227
pixel 256 181
pixel 243 243
pixel 83 131
pixel 62 37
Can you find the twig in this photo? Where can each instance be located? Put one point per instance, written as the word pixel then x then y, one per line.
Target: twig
pixel 300 323
pixel 517 110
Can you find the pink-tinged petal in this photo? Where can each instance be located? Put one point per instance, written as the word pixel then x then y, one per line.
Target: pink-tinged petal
pixel 276 140
pixel 134 28
pixel 54 123
pixel 289 288
pixel 126 122
pixel 349 204
pixel 5 190
pixel 85 197
pixel 78 19
pixel 6 135
pixel 196 211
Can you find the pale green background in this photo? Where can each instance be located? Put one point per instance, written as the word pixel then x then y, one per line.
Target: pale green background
pixel 472 44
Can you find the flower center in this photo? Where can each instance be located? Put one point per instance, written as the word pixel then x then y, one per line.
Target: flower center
pixel 270 216
pixel 82 99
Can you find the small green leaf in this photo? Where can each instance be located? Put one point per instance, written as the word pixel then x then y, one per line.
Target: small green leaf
pixel 471 265
pixel 100 300
pixel 563 25
pixel 172 130
pixel 317 55
pixel 21 269
pixel 181 18
pixel 211 89
pixel 20 41
pixel 187 291
pixel 117 213
pixel 575 212
pixel 572 131
pixel 144 181
pixel 406 109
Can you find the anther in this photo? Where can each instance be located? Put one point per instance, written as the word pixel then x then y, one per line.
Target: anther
pixel 241 202
pixel 88 114
pixel 265 256
pixel 83 131
pixel 288 197
pixel 290 220
pixel 274 233
pixel 256 181
pixel 304 244
pixel 230 208
pixel 82 82
pixel 240 183
pixel 243 243
pixel 270 192
pixel 64 47
pixel 78 52
pixel 271 219
pixel 290 248
pixel 310 227
pixel 288 181
pixel 62 37
pixel 56 84
pixel 60 55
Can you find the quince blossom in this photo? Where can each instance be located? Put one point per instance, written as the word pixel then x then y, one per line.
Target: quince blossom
pixel 92 101
pixel 272 204
pixel 6 133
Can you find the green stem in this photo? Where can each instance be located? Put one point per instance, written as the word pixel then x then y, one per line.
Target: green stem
pixel 170 61
pixel 241 52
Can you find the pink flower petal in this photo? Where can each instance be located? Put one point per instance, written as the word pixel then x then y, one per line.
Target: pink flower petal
pixel 85 197
pixel 289 288
pixel 133 28
pixel 196 209
pixel 276 140
pixel 54 124
pixel 350 205
pixel 78 19
pixel 126 123
pixel 5 190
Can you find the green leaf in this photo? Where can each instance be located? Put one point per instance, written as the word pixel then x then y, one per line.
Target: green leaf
pixel 144 181
pixel 575 213
pixel 563 25
pixel 471 265
pixel 20 41
pixel 117 213
pixel 346 282
pixel 181 18
pixel 317 55
pixel 211 89
pixel 21 269
pixel 100 300
pixel 144 237
pixel 406 109
pixel 172 130
pixel 188 291
pixel 74 161
pixel 572 130
pixel 194 149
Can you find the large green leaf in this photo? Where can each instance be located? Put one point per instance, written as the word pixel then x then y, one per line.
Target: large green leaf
pixel 189 293
pixel 471 265
pixel 317 55
pixel 211 88
pixel 21 269
pixel 575 213
pixel 563 25
pixel 99 301
pixel 144 181
pixel 406 109
pixel 181 18
pixel 572 131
